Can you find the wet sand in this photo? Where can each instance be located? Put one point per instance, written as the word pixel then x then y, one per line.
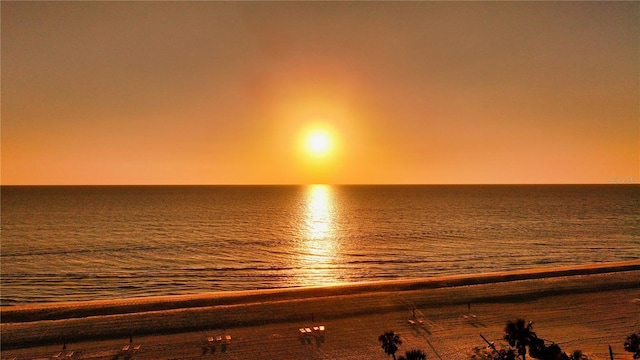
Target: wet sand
pixel 580 307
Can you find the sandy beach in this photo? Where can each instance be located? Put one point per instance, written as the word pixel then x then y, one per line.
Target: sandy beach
pixel 581 307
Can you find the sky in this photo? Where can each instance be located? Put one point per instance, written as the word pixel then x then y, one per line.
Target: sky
pixel 408 92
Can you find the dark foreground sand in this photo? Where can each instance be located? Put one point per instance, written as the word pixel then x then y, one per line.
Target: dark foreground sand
pixel 582 307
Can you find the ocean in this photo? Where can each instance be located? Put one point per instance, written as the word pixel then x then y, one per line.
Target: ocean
pixel 69 243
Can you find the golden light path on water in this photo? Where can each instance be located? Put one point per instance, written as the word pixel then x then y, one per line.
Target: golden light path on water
pixel 319 247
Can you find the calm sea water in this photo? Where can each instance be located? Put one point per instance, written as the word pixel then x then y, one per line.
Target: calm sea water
pixel 83 243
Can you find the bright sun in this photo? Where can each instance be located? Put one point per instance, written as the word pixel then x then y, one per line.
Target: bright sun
pixel 318 142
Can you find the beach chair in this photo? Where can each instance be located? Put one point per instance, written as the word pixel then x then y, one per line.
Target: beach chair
pixel 316 328
pixel 411 322
pixel 227 338
pixel 321 333
pixel 136 348
pixel 302 332
pixel 58 355
pixel 126 348
pixel 219 338
pixel 70 355
pixel 307 330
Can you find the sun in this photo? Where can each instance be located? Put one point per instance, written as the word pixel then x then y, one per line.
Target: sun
pixel 319 142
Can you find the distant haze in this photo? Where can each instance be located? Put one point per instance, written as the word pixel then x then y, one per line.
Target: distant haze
pixel 411 92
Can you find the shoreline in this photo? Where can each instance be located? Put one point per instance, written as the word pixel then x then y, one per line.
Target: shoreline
pixel 36 325
pixel 62 310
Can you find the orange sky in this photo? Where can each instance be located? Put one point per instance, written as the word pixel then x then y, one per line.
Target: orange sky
pixel 413 92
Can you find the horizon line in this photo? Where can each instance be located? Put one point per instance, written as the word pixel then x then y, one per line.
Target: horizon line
pixel 334 184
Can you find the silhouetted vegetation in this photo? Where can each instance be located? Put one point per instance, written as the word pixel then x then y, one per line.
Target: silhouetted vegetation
pixel 632 344
pixel 390 342
pixel 492 353
pixel 578 355
pixel 413 355
pixel 521 336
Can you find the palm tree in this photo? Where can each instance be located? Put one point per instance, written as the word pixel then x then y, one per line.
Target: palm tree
pixel 390 342
pixel 632 345
pixel 519 336
pixel 413 355
pixel 537 348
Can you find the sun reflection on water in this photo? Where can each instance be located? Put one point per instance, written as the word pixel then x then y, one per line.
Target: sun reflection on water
pixel 319 246
pixel 319 215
